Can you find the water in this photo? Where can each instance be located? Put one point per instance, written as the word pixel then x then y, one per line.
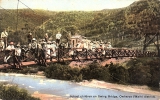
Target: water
pixel 69 89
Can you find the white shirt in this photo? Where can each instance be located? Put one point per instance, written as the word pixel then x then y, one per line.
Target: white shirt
pixel 4 34
pixel 47 50
pixel 1 44
pixel 10 47
pixel 33 45
pixel 58 35
pixel 18 51
pixel 53 47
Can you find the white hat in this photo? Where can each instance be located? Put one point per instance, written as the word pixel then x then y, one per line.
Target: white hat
pixel 109 42
pixel 33 39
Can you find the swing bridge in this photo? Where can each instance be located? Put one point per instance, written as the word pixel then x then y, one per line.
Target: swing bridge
pixel 75 54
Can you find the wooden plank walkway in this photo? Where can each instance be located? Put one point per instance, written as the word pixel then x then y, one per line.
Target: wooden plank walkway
pixel 7 66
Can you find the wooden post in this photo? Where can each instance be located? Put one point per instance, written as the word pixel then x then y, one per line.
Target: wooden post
pixel 58 54
pixel 86 54
pixel 144 46
pixel 158 45
pixel 17 16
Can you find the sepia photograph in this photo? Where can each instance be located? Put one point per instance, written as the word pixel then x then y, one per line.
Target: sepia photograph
pixel 79 50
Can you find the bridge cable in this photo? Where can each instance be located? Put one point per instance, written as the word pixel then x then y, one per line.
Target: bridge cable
pixel 31 10
pixel 26 6
pixel 17 16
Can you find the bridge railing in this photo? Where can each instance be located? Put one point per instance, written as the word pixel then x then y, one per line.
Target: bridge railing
pixel 98 53
pixel 80 54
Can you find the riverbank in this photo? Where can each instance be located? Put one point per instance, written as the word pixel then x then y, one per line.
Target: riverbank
pixel 104 85
pixel 127 88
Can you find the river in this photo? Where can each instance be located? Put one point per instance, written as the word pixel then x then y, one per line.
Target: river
pixel 68 89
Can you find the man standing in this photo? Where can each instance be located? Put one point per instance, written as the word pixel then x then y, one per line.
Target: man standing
pixel 53 50
pixel 17 56
pixel 58 37
pixel 33 48
pixel 46 37
pixel 4 36
pixel 29 36
pixel 8 52
pixel 1 44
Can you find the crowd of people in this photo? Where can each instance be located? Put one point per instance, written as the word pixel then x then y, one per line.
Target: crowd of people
pixel 14 50
pixel 45 45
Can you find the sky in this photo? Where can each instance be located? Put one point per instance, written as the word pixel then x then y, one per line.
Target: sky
pixel 66 5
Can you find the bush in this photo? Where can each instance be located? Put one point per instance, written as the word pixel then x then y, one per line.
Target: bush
pixel 140 74
pixel 118 74
pixel 63 72
pixel 14 93
pixel 155 72
pixel 95 71
pixel 144 71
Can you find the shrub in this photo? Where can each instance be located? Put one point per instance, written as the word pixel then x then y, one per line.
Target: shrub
pixel 144 71
pixel 95 71
pixel 155 72
pixel 140 74
pixel 14 93
pixel 118 74
pixel 63 72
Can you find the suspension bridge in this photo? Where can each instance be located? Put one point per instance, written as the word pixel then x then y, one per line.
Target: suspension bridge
pixel 63 55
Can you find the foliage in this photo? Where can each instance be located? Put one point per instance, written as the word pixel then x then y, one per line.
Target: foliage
pixel 119 74
pixel 95 71
pixel 125 24
pixel 26 70
pixel 12 92
pixel 139 74
pixel 155 72
pixel 63 72
pixel 144 71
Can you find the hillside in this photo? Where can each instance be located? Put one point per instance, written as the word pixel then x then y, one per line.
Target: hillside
pixel 26 17
pixel 120 26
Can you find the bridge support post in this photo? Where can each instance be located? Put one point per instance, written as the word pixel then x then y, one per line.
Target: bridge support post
pixel 150 38
pixel 58 55
pixel 158 45
pixel 86 54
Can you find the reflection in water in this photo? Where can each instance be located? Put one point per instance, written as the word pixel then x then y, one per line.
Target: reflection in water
pixel 69 89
